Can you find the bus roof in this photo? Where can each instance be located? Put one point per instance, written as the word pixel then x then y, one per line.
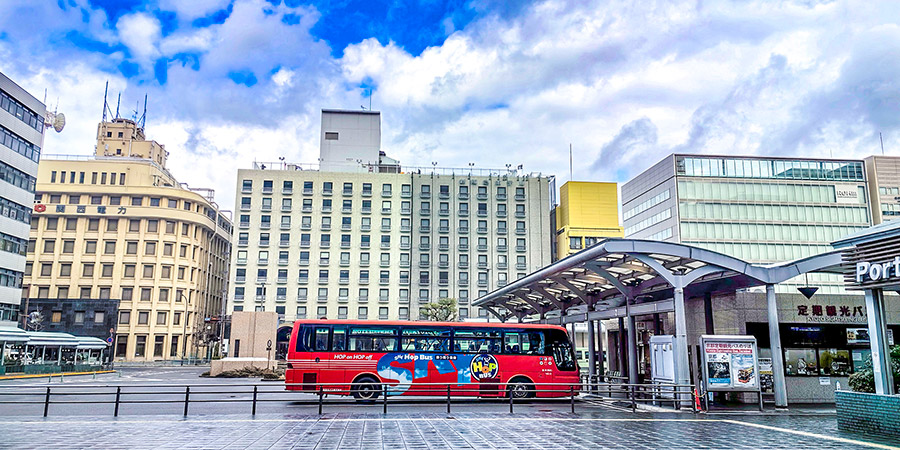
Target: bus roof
pixel 423 323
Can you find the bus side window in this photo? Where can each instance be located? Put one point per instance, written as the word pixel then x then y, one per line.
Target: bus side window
pixel 511 343
pixel 339 339
pixel 321 339
pixel 533 343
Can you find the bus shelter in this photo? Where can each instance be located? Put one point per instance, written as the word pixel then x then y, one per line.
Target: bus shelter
pixel 624 278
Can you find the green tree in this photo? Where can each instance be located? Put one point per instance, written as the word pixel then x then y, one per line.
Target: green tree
pixel 443 310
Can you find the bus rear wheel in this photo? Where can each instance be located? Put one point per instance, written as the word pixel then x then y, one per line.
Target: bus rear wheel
pixel 520 387
pixel 365 389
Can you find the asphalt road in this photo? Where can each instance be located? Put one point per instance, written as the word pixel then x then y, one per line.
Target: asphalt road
pixel 161 390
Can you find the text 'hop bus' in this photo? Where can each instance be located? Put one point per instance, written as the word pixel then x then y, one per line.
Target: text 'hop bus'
pixel 365 358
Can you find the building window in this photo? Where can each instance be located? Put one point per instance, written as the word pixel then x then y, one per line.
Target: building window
pixel 140 346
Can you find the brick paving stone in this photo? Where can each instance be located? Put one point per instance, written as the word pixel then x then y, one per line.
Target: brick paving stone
pixel 425 431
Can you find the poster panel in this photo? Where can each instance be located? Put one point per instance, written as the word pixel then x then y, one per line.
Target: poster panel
pixel 730 363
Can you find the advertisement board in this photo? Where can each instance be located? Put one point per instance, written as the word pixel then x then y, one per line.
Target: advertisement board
pixel 730 363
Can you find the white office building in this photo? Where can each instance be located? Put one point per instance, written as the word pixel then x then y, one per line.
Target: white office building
pixel 21 139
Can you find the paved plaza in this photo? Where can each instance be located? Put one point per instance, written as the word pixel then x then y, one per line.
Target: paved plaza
pixel 287 424
pixel 424 431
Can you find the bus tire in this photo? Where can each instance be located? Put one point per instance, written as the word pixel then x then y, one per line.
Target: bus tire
pixel 520 388
pixel 365 389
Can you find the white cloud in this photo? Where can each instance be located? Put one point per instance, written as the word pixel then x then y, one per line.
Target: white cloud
pixel 140 32
pixel 624 84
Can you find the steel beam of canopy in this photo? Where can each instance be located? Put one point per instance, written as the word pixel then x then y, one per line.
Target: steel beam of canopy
pixel 573 289
pixel 550 297
pixel 538 308
pixel 606 275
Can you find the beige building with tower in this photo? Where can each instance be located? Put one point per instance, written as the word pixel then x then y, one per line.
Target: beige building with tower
pixel 360 237
pixel 118 226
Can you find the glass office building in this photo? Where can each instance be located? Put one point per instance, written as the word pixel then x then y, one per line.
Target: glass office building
pixel 757 209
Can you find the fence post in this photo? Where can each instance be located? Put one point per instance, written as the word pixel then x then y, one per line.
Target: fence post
pixel 510 400
pixel 448 399
pixel 187 399
pixel 572 397
pixel 320 400
pixel 254 399
pixel 47 402
pixel 384 399
pixel 633 400
pixel 118 397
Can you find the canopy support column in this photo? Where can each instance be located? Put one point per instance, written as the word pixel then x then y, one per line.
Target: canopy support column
pixel 681 344
pixel 632 344
pixel 881 365
pixel 592 359
pixel 775 345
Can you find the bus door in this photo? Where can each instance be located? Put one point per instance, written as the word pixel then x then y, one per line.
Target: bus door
pixel 316 368
pixel 563 359
pixel 338 370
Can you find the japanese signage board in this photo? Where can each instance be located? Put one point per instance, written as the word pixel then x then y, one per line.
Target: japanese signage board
pixel 79 209
pixel 818 313
pixel 730 363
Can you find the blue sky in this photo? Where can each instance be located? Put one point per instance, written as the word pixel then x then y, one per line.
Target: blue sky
pixel 487 82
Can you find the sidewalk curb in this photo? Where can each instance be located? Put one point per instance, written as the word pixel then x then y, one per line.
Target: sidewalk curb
pixel 44 375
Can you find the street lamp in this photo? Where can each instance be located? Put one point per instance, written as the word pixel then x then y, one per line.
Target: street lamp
pixel 184 321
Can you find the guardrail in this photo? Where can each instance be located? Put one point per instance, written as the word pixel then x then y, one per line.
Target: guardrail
pixel 254 394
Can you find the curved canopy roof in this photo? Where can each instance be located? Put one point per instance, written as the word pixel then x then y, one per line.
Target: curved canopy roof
pixel 602 276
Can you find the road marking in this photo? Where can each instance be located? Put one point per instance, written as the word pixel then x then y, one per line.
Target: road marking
pixel 808 434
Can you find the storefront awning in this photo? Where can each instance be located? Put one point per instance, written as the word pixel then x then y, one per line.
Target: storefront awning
pixel 51 339
pixel 90 343
pixel 13 334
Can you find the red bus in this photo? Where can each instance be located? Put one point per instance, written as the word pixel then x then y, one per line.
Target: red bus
pixel 421 358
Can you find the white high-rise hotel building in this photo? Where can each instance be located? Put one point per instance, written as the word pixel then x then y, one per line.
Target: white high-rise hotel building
pixel 360 237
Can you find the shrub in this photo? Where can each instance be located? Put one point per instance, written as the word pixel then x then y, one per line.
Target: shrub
pixel 864 380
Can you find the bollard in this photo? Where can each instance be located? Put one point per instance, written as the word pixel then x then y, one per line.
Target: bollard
pixel 510 400
pixel 448 399
pixel 118 397
pixel 254 400
pixel 572 396
pixel 320 400
pixel 384 399
pixel 61 378
pixel 47 402
pixel 633 400
pixel 187 399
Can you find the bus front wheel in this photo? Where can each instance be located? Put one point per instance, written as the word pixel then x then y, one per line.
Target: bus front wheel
pixel 521 387
pixel 366 389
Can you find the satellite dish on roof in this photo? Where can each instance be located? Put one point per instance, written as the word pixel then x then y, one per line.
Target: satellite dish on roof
pixel 55 120
pixel 60 122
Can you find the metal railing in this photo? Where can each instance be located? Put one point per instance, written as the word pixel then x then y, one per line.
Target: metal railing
pixel 360 393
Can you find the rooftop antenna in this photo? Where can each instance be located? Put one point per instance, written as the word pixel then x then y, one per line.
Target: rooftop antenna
pixel 571 177
pixel 105 105
pixel 118 103
pixel 370 99
pixel 882 143
pixel 144 116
